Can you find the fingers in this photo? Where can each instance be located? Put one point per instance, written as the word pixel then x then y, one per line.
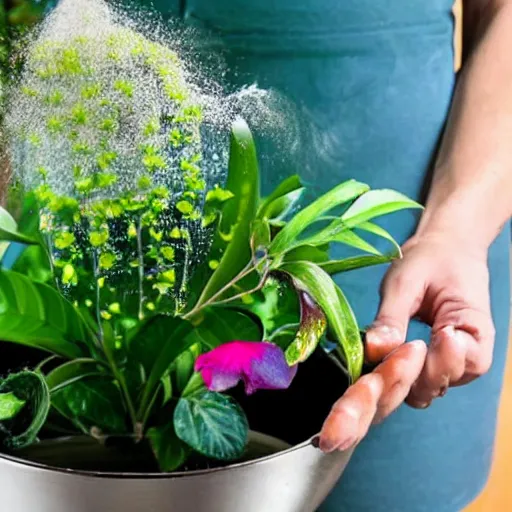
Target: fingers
pixel 457 354
pixel 400 301
pixel 445 363
pixel 372 397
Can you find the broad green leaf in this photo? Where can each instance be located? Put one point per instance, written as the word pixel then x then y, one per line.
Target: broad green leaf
pixel 10 406
pixel 156 346
pixel 147 343
pixel 73 371
pixel 284 197
pixel 36 315
pixel 374 204
pixel 222 324
pixel 9 230
pixel 312 253
pixel 342 322
pixel 276 306
pixel 183 368
pixel 33 262
pixel 339 195
pixel 312 327
pixel 31 389
pixel 92 402
pixel 212 424
pixel 169 449
pixel 370 227
pixel 354 262
pixel 238 213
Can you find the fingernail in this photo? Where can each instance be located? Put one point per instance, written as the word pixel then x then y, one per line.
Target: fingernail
pixel 382 334
pixel 327 445
pixel 422 405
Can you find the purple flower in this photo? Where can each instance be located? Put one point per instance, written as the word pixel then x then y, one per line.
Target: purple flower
pixel 260 365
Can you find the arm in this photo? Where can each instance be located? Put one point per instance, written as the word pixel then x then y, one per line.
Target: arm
pixel 443 276
pixel 472 186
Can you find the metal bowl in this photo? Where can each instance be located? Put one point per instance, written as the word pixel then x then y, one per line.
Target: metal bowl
pixel 296 479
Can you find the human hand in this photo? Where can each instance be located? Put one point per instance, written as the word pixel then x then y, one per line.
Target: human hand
pixel 445 283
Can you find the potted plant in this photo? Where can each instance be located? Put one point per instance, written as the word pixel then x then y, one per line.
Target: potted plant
pixel 156 291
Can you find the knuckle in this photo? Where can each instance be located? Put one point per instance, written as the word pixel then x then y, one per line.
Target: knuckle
pixel 481 365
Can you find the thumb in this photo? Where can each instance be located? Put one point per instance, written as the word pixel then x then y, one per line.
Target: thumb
pixel 401 297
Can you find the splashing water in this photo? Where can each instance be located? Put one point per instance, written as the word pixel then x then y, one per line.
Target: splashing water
pixel 124 147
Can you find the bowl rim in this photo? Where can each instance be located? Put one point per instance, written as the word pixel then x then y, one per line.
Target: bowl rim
pixel 311 442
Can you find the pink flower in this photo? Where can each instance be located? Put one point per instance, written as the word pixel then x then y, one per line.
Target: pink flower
pixel 260 365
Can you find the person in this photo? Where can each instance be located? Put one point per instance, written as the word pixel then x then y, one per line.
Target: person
pixel 376 98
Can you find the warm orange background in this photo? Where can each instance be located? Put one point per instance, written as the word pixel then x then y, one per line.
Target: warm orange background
pixel 497 496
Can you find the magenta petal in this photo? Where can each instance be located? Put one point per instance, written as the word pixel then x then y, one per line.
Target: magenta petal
pixel 260 365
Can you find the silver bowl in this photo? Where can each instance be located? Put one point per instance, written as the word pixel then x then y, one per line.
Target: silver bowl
pixel 295 479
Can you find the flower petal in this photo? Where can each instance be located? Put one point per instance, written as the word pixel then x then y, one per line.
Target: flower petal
pixel 260 365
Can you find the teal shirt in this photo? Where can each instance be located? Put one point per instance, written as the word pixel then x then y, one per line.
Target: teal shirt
pixel 370 83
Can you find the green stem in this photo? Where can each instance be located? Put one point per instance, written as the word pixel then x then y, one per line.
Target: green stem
pixel 248 292
pixel 248 269
pixel 124 388
pixel 141 269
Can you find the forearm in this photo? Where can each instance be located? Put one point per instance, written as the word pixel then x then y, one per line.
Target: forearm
pixel 471 192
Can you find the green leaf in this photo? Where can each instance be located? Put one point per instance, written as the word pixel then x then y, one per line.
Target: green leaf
pixel 36 315
pixel 147 343
pixel 9 230
pixel 33 262
pixel 156 346
pixel 312 327
pixel 287 237
pixel 31 389
pixel 10 406
pixel 276 306
pixel 342 322
pixel 92 402
pixel 284 197
pixel 238 213
pixel 212 424
pixel 377 230
pixel 353 263
pixel 222 324
pixel 351 239
pixel 260 238
pixel 169 449
pixel 376 203
pixel 183 368
pixel 315 254
pixel 71 372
